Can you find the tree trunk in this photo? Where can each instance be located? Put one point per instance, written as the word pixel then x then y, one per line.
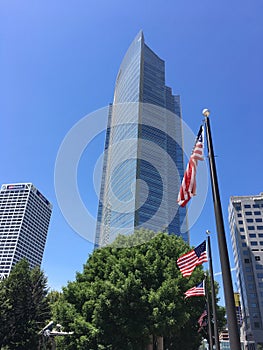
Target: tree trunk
pixel 160 343
pixel 150 345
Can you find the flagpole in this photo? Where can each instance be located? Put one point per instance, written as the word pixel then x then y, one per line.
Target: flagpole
pixel 223 252
pixel 210 336
pixel 213 294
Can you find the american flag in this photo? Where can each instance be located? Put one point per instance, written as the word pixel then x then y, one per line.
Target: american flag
pixel 196 291
pixel 201 328
pixel 188 186
pixel 190 260
pixel 201 321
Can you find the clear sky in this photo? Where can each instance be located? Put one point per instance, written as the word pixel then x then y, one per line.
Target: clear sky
pixel 59 61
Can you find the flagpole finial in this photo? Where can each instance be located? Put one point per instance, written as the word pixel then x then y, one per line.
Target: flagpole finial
pixel 206 112
pixel 208 232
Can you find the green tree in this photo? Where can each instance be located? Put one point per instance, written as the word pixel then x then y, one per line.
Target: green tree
pixel 125 295
pixel 24 307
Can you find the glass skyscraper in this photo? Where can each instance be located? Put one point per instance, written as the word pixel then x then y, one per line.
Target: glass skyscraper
pixel 143 159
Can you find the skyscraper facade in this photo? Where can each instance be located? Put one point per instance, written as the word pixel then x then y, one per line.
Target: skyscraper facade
pixel 24 219
pixel 246 226
pixel 143 158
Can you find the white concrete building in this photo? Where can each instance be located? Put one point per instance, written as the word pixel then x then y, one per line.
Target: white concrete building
pixel 24 219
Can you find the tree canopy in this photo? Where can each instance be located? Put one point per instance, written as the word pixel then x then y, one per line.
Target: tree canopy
pixel 124 295
pixel 24 308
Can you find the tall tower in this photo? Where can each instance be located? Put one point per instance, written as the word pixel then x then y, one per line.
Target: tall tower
pixel 24 219
pixel 246 226
pixel 143 158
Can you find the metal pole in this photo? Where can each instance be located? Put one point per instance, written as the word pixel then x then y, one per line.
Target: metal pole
pixel 210 336
pixel 223 252
pixel 213 294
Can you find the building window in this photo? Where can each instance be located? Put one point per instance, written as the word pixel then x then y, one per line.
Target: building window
pixel 248 212
pixel 252 235
pixel 248 269
pixel 244 244
pixel 259 227
pixel 241 229
pixel 257 213
pixel 255 205
pixel 251 228
pixel 247 206
pixel 258 220
pixel 254 243
pixel 252 295
pixel 246 261
pixel 240 222
pixel 257 258
pixel 260 275
pixel 259 267
pixel 249 220
pixel 243 237
pixel 239 215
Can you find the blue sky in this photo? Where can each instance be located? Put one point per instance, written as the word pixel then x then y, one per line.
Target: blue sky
pixel 59 61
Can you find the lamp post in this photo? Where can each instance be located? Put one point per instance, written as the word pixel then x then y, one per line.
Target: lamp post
pixel 223 252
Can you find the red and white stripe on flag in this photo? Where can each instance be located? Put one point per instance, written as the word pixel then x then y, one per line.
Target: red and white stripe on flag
pixel 188 186
pixel 196 291
pixel 187 262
